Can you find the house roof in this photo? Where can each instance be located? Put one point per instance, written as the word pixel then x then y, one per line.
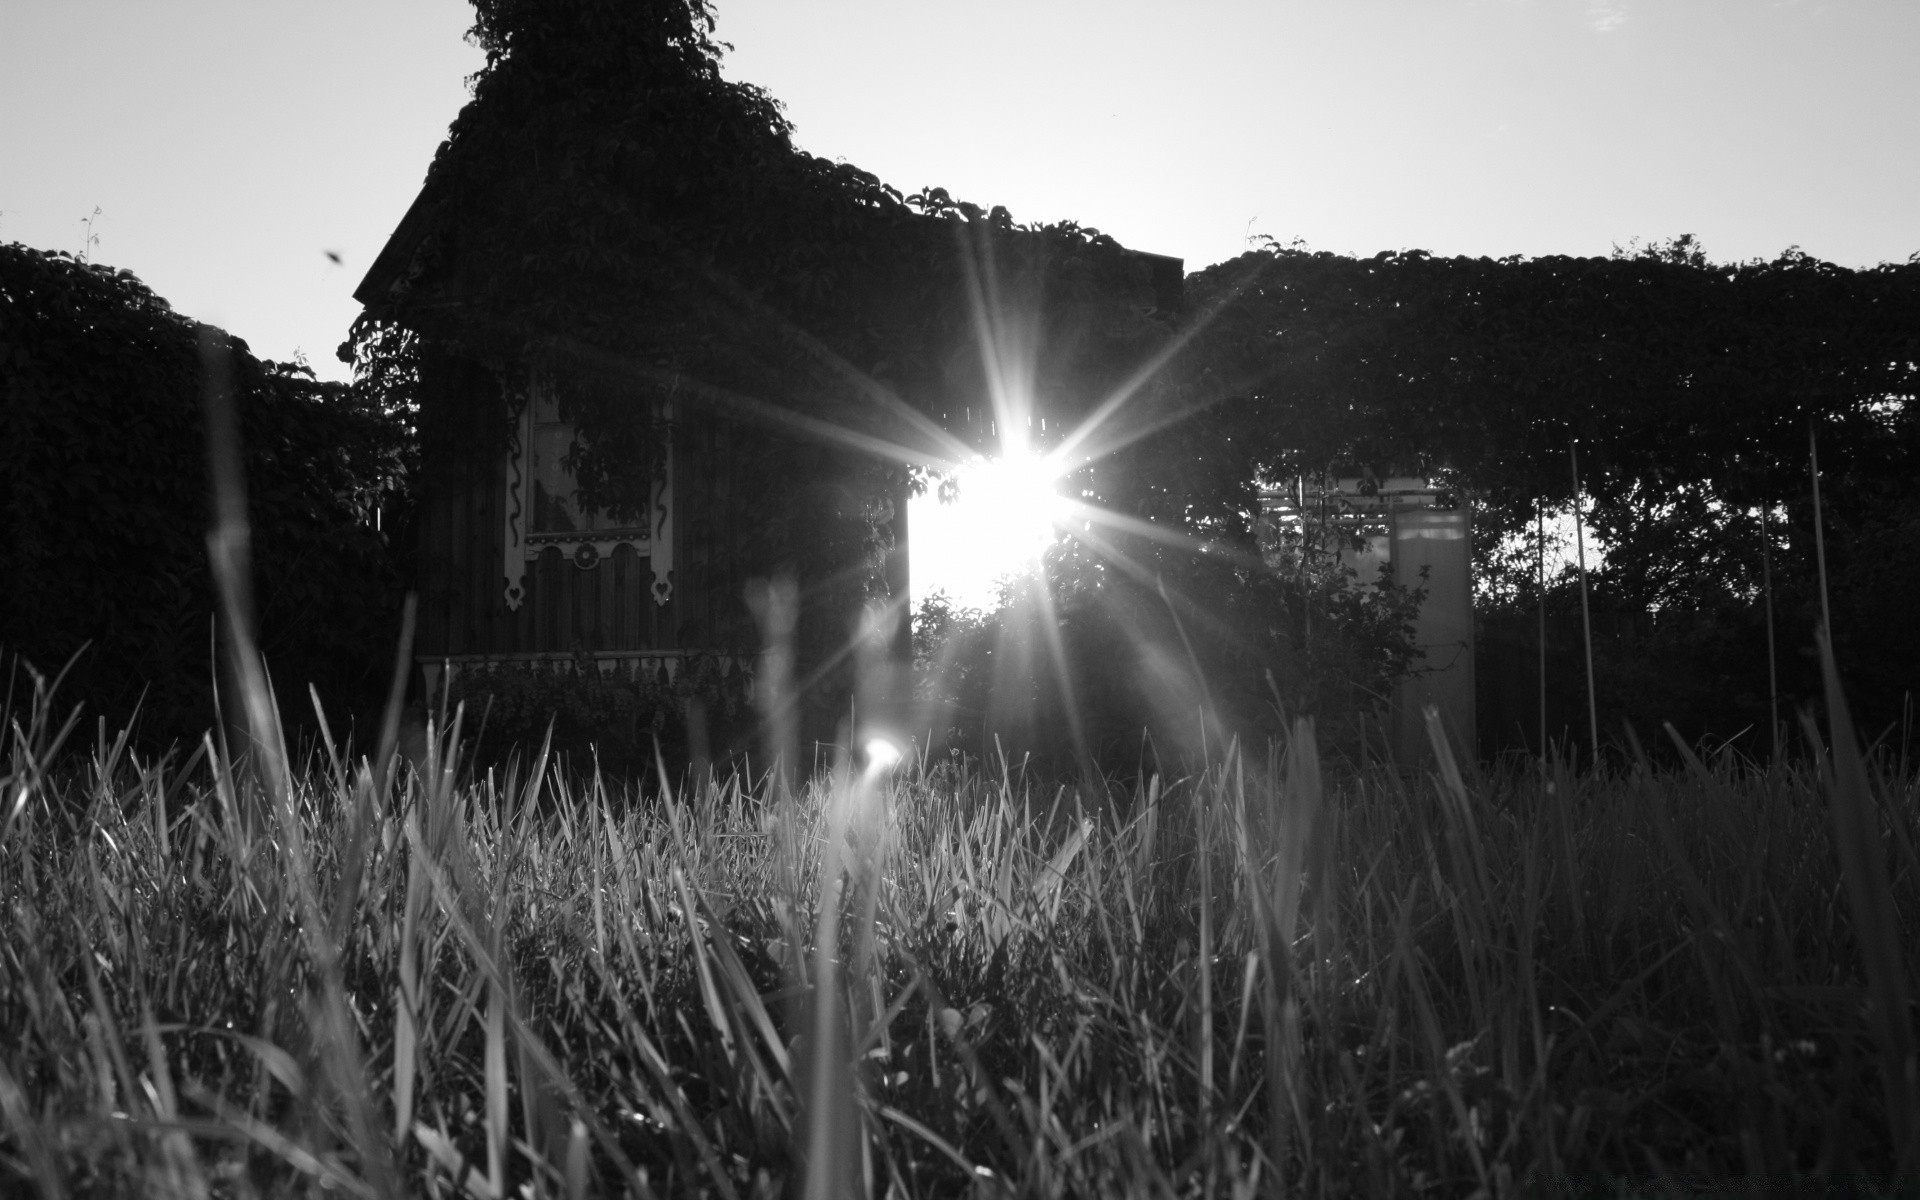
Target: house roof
pixel 396 259
pixel 399 264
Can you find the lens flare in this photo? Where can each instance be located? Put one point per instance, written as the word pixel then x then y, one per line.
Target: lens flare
pixel 1005 512
pixel 1013 500
pixel 882 755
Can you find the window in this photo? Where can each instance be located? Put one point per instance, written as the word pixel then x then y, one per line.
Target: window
pixel 543 505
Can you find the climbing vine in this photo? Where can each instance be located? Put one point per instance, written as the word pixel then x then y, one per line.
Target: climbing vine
pixel 611 212
pixel 103 511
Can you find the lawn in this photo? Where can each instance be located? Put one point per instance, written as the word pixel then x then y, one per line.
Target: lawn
pixel 1273 976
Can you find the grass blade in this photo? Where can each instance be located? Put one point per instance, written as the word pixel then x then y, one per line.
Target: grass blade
pixel 1876 922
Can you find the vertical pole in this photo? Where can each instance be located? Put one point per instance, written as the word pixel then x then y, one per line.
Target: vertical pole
pixel 1773 670
pixel 1540 564
pixel 1819 537
pixel 1586 614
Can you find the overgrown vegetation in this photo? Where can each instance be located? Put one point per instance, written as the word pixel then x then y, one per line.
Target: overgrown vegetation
pixel 382 981
pixel 103 509
pixel 1693 388
pixel 1148 677
pixel 677 249
pixel 689 250
pixel 618 721
pixel 387 974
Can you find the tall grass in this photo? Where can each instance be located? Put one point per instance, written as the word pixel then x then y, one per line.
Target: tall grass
pixel 1268 978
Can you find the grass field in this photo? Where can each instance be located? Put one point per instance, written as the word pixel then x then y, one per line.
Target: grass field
pixel 1270 978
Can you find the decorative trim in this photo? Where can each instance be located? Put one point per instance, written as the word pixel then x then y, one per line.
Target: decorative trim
pixel 514 558
pixel 662 532
pixel 586 549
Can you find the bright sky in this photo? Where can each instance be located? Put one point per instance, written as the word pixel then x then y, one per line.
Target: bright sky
pixel 229 144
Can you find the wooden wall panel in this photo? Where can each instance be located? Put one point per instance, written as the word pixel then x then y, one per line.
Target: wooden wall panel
pixel 553 600
pixel 473 558
pixel 709 578
pixel 619 584
pixel 431 637
pixel 689 528
pixel 458 624
pixel 586 608
pixel 492 616
pixel 608 607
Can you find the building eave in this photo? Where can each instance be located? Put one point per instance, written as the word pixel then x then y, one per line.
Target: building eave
pixel 396 258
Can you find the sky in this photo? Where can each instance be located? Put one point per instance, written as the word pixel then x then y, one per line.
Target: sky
pixel 229 147
pixel 1456 126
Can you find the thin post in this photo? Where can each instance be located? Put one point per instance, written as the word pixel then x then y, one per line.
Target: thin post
pixel 1819 537
pixel 1540 566
pixel 1586 613
pixel 1773 669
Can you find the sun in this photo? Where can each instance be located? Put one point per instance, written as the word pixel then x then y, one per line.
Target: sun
pixel 1005 513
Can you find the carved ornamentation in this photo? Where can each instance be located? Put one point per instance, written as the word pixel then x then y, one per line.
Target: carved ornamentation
pixel 541 509
pixel 515 556
pixel 662 530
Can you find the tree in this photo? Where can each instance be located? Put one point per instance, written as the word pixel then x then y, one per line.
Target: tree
pixel 1690 385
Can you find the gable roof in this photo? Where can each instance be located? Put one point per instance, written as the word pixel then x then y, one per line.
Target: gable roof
pixel 624 202
pixel 397 257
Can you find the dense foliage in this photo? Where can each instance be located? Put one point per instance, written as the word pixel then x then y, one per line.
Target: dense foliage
pixel 1671 370
pixel 1129 669
pixel 613 211
pixel 103 456
pixel 1691 387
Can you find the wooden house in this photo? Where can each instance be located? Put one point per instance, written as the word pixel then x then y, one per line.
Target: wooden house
pixel 516 572
pixel 659 354
pixel 513 570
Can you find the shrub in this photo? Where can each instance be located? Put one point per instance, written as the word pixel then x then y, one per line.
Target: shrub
pixel 104 512
pixel 606 720
pixel 1225 649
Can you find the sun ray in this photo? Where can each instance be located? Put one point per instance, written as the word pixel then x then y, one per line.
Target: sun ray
pixel 946 457
pixel 1080 514
pixel 990 335
pixel 1156 363
pixel 1148 643
pixel 1017 490
pixel 881 395
pixel 785 705
pixel 949 449
pixel 1116 442
pixel 1111 554
pixel 1063 672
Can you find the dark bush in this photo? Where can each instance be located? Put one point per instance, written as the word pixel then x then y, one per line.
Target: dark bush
pixel 1163 672
pixel 625 726
pixel 103 451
